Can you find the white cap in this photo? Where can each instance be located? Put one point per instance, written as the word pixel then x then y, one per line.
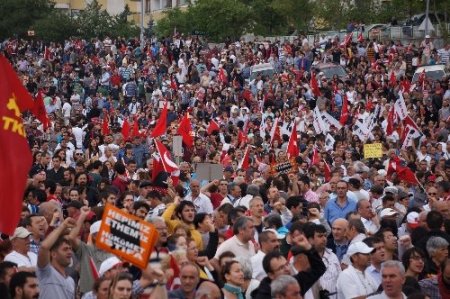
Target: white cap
pixel 427 36
pixel 108 264
pixel 95 227
pixel 279 236
pixel 388 212
pixel 21 233
pixel 359 247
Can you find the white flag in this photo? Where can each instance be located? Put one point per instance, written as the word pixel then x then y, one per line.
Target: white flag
pixel 329 142
pixel 318 122
pixel 330 120
pixel 400 107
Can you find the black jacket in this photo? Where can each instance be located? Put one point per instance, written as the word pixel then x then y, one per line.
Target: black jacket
pixel 304 278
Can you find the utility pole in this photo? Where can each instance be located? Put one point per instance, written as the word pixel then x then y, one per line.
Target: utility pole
pixel 427 18
pixel 142 25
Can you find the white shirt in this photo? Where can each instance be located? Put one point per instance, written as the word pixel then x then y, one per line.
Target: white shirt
pixel 202 203
pixel 256 262
pixel 329 278
pixel 374 273
pixel 383 296
pixel 245 251
pixel 370 226
pixel 30 260
pixel 67 108
pixel 360 284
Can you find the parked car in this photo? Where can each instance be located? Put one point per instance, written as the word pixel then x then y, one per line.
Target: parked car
pixel 331 69
pixel 434 72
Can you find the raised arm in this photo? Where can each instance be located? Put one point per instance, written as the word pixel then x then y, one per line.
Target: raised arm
pixel 75 232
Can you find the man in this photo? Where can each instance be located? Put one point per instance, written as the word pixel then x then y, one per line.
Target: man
pixel 37 226
pixel 393 275
pixel 355 231
pixel 157 206
pixel 305 189
pixel 56 173
pixel 276 265
pixel 341 205
pixel 24 285
pixel 21 254
pixel 317 236
pixel 285 287
pixel 140 209
pixel 54 257
pixel 7 270
pixel 189 278
pixel 377 257
pixel 368 217
pixel 86 254
pixel 268 242
pixel 339 242
pixel 352 282
pixel 233 196
pixel 201 202
pixel 241 243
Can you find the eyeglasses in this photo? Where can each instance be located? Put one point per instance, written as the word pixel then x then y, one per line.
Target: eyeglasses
pixel 79 154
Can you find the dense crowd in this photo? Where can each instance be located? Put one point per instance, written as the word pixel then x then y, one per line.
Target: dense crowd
pixel 302 215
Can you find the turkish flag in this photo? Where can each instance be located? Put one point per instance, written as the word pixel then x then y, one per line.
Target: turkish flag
pixel 390 121
pixel 406 174
pixel 326 171
pixel 344 111
pixel 392 79
pixel 406 86
pixel 315 158
pixel 173 83
pixel 360 37
pixel 275 132
pixel 245 162
pixel 15 158
pixel 105 125
pixel 39 110
pixel 161 124
pixel 314 85
pixel 213 126
pixel 242 139
pixel 157 168
pixel 292 148
pixel 125 129
pixel 135 131
pixel 168 164
pixel 185 131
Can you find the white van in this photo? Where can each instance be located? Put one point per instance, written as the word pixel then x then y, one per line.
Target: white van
pixel 263 69
pixel 433 72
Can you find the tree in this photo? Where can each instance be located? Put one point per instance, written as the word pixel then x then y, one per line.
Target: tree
pixel 94 21
pixel 56 26
pixel 122 27
pixel 18 16
pixel 174 19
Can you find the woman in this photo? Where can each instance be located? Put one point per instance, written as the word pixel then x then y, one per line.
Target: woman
pixel 249 284
pixel 413 261
pixel 234 280
pixel 121 286
pixel 99 290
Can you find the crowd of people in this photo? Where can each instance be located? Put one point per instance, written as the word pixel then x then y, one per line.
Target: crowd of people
pixel 324 222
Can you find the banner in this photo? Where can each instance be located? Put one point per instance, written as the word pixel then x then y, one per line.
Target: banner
pixel 126 236
pixel 331 121
pixel 285 167
pixel 318 123
pixel 329 142
pixel 360 130
pixel 373 150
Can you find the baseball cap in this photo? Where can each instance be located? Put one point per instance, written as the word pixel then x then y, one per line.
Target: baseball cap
pixel 388 212
pixel 413 219
pixel 95 227
pixel 20 232
pixel 279 236
pixel 108 264
pixel 359 247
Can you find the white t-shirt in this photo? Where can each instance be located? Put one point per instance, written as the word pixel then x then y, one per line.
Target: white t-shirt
pixel 360 283
pixel 66 109
pixel 239 249
pixel 30 260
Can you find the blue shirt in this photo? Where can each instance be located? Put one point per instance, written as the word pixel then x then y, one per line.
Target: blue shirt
pixel 334 211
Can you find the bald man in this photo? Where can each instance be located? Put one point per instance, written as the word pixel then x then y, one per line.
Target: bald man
pixel 338 243
pixel 49 209
pixel 208 290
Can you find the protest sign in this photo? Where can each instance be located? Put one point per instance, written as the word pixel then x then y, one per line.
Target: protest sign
pixel 373 150
pixel 284 167
pixel 126 236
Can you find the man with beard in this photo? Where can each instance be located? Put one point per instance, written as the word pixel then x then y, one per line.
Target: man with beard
pixel 24 285
pixel 55 255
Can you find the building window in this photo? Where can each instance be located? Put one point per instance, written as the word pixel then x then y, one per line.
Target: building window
pixel 148 6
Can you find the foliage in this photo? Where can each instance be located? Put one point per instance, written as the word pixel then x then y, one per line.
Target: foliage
pixel 122 27
pixel 174 19
pixel 56 26
pixel 18 16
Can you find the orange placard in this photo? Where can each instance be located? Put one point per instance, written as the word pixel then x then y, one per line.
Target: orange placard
pixel 126 236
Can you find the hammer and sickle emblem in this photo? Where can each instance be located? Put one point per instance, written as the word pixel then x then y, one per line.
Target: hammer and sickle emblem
pixel 12 105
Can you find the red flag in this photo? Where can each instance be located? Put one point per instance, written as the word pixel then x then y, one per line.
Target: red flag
pixel 422 79
pixel 344 111
pixel 245 162
pixel 315 158
pixel 392 79
pixel 347 40
pixel 242 139
pixel 406 174
pixel 105 125
pixel 390 121
pixel 39 110
pixel 292 148
pixel 47 53
pixel 161 124
pixel 15 158
pixel 173 83
pixel 360 37
pixel 135 131
pixel 125 129
pixel 406 86
pixel 93 268
pixel 176 270
pixel 213 126
pixel 157 167
pixel 185 131
pixel 222 76
pixel 314 85
pixel 275 133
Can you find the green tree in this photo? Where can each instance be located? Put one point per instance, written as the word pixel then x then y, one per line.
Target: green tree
pixel 174 19
pixel 56 26
pixel 18 16
pixel 331 12
pixel 266 19
pixel 94 21
pixel 122 27
pixel 297 13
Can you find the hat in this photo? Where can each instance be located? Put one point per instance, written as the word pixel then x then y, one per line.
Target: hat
pixel 75 204
pixel 20 232
pixel 279 236
pixel 382 172
pixel 95 227
pixel 108 264
pixel 402 194
pixel 392 190
pixel 427 36
pixel 387 212
pixel 229 168
pixel 413 219
pixel 359 247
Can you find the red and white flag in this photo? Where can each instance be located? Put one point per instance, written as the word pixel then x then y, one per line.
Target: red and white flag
pixel 344 111
pixel 314 85
pixel 360 37
pixel 213 126
pixel 347 40
pixel 168 164
pixel 185 131
pixel 245 162
pixel 275 133
pixel 315 157
pixel 292 148
pixel 392 79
